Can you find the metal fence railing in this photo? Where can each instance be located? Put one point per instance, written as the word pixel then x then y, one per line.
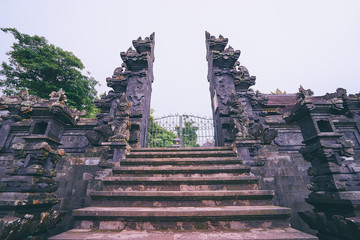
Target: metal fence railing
pixel 181 131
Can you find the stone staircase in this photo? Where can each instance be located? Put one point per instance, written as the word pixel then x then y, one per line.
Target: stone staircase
pixel 192 193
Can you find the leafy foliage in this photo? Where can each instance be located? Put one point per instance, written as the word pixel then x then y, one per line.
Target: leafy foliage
pixel 159 136
pixel 40 67
pixel 189 135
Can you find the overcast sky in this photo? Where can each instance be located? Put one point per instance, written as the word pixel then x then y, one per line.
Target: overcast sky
pixel 283 43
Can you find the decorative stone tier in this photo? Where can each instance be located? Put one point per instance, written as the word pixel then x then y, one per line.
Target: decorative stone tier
pixel 335 173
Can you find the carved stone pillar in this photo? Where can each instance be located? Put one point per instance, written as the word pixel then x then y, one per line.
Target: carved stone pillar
pixel 221 62
pixel 227 76
pixel 134 78
pixel 335 174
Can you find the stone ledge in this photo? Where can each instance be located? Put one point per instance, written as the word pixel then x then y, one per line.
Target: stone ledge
pixel 259 234
pixel 225 211
pixel 182 169
pixel 171 180
pixel 177 194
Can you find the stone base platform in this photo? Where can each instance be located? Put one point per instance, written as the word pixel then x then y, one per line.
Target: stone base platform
pixel 259 234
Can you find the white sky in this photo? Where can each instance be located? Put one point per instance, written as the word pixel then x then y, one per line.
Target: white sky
pixel 283 43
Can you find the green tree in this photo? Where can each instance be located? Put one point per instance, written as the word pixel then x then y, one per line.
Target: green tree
pixel 159 136
pixel 189 135
pixel 40 67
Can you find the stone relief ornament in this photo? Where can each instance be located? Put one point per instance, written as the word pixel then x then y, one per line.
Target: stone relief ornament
pixel 58 96
pixel 121 124
pixel 239 120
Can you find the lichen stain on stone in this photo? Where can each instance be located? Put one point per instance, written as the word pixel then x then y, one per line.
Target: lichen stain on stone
pixel 266 225
pixel 238 225
pixel 44 215
pixel 111 225
pixel 157 204
pixel 77 161
pixel 148 226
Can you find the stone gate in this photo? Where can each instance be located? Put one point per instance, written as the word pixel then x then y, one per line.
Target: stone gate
pixel 304 147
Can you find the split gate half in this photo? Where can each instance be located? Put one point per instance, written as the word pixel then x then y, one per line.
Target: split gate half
pixel 180 131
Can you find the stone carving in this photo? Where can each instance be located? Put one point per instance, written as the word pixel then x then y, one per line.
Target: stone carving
pixel 145 45
pixel 134 78
pixel 256 130
pixel 269 135
pixel 242 78
pixel 135 61
pixel 215 44
pixel 121 124
pixel 302 94
pixel 225 59
pixel 102 152
pixel 226 75
pixel 239 120
pixel 22 105
pixel 18 227
pixel 60 99
pixel 119 79
pixel 28 186
pixel 104 103
pixel 31 185
pixel 58 96
pixel 138 97
pixel 33 159
pixel 346 228
pixel 340 93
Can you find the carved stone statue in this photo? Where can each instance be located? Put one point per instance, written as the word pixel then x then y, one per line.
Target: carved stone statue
pixel 58 96
pixel 303 93
pixel 239 120
pixel 121 124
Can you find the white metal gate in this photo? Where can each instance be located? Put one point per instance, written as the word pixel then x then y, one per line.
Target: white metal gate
pixel 187 130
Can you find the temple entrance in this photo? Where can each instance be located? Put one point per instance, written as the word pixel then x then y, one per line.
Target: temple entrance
pixel 181 131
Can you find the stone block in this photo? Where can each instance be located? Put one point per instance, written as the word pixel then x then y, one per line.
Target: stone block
pixel 87 176
pixel 92 161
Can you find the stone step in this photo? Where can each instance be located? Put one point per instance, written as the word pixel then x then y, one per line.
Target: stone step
pixel 180 212
pixel 186 194
pixel 194 149
pixel 181 183
pixel 177 218
pixel 181 198
pixel 180 175
pixel 181 154
pixel 177 193
pixel 190 169
pixel 248 234
pixel 181 161
pixel 177 180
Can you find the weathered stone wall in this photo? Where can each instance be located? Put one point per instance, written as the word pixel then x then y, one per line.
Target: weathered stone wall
pixel 285 172
pixel 76 176
pixel 284 169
